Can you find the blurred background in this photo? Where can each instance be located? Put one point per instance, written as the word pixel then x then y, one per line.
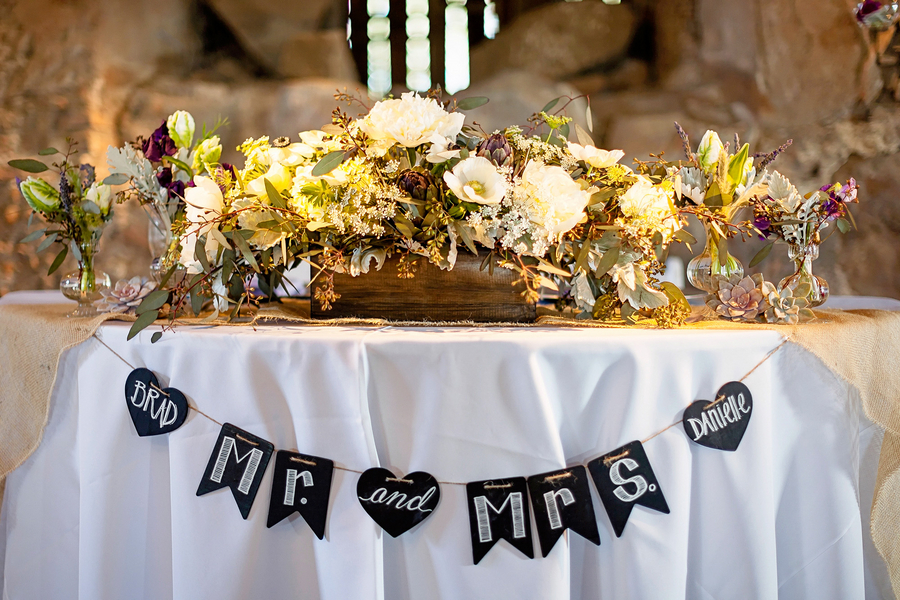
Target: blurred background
pixel 769 70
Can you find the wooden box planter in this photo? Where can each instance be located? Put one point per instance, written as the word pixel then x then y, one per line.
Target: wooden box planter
pixel 464 294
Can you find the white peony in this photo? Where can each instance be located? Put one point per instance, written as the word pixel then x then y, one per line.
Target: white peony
pixel 203 204
pixel 650 206
pixel 595 157
pixel 476 180
pixel 555 202
pixel 410 121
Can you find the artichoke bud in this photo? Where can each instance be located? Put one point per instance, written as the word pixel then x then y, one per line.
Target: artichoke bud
pixel 40 195
pixel 419 183
pixel 497 150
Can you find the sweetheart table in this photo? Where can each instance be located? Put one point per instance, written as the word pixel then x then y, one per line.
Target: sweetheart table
pixel 98 512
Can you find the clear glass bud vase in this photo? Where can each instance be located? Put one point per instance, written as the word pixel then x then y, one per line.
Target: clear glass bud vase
pixel 85 286
pixel 704 267
pixel 812 287
pixel 159 236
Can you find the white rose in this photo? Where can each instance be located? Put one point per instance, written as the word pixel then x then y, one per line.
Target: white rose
pixel 410 121
pixel 476 180
pixel 101 195
pixel 596 157
pixel 555 201
pixel 203 204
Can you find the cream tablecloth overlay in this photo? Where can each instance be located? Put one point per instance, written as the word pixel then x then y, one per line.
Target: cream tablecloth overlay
pixel 99 513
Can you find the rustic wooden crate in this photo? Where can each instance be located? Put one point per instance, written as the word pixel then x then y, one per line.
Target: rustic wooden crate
pixel 464 294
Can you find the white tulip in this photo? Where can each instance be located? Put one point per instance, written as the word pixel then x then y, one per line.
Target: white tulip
pixel 181 128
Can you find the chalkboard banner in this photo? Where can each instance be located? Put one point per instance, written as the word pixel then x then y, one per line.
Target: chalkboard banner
pixel 397 504
pixel 624 478
pixel 498 509
pixel 720 424
pixel 562 500
pixel 301 484
pixel 238 461
pixel 153 410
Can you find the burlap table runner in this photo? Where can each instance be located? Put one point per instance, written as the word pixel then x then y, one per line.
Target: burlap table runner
pixel 861 347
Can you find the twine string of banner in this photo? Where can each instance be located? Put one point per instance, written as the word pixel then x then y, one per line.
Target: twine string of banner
pixel 491 486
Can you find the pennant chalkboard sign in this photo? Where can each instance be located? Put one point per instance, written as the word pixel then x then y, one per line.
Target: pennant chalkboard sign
pixel 238 461
pixel 397 504
pixel 720 424
pixel 498 509
pixel 153 410
pixel 562 500
pixel 624 478
pixel 301 484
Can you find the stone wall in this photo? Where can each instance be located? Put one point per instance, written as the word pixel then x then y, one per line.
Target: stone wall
pixel 768 70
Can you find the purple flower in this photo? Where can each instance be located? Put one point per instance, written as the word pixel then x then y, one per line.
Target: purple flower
pixel 847 193
pixel 159 144
pixel 174 187
pixel 762 223
pixel 833 209
pixel 866 8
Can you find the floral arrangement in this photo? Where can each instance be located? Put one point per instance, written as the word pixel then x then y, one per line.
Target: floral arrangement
pixel 877 15
pixel 410 179
pixel 76 208
pixel 159 169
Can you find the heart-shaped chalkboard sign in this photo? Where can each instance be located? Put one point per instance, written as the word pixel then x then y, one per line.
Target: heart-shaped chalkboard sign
pixel 153 410
pixel 720 424
pixel 397 504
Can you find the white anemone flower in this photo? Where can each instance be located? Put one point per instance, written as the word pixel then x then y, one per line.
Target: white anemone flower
pixel 595 157
pixel 440 149
pixel 476 180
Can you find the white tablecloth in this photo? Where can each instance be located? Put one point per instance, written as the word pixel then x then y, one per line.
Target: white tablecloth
pixel 99 513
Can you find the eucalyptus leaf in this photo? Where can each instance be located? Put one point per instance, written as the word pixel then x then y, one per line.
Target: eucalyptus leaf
pixel 28 165
pixel 583 137
pixel 472 102
pixel 48 151
pixel 589 118
pixel 143 321
pixel 547 267
pixel 551 104
pixel 197 301
pixel 762 254
pixel 89 206
pixel 674 293
pixel 683 235
pixel 200 252
pixel 564 130
pixel 275 197
pixel 34 235
pixel 167 276
pixel 76 251
pixel 58 260
pixel 181 165
pixel 153 301
pixel 723 250
pixel 155 337
pixel 47 242
pixel 581 261
pixel 116 179
pixel 608 261
pixel 328 163
pixel 242 245
pixel 842 224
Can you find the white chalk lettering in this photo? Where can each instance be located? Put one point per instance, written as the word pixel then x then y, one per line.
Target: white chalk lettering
pixel 619 480
pixel 553 514
pixel 484 523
